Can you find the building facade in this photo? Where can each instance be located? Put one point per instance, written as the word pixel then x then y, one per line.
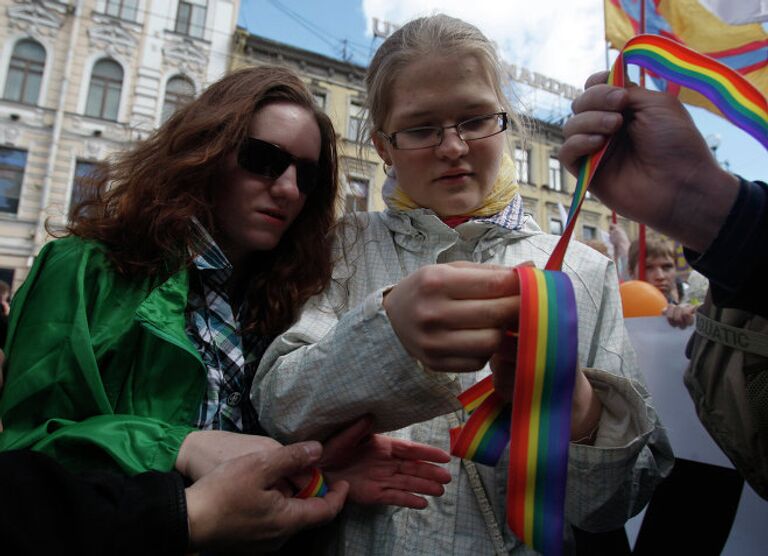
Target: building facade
pixel 81 79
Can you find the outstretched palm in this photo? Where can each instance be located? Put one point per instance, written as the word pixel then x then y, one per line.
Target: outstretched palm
pixel 384 470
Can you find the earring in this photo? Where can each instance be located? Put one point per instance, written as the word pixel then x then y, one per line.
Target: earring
pixel 388 170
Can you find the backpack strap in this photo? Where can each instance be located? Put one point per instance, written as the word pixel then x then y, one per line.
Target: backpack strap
pixel 732 336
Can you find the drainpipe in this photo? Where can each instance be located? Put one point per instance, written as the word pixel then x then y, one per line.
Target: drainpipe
pixel 57 126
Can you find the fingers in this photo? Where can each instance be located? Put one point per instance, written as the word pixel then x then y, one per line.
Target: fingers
pixel 289 460
pixel 412 485
pixel 680 316
pixel 576 148
pixel 596 79
pixel 601 98
pixel 469 314
pixel 424 470
pixel 309 512
pixel 504 365
pixel 468 282
pixel 408 450
pixel 459 351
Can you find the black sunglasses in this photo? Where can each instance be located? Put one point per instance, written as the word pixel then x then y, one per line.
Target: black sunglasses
pixel 270 161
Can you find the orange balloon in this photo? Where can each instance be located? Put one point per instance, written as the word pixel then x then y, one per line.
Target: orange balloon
pixel 641 299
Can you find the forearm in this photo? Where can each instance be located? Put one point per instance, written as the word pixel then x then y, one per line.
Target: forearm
pixel 612 480
pixel 323 373
pixel 96 513
pixel 736 261
pixel 127 443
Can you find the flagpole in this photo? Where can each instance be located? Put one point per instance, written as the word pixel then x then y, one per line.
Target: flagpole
pixel 608 68
pixel 641 252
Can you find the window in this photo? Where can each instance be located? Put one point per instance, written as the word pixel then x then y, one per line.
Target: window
pixel 178 92
pixel 588 232
pixel 522 170
pixel 555 226
pixel 356 120
pixel 319 100
pixel 190 19
pixel 82 186
pixel 124 9
pixel 555 174
pixel 12 164
pixel 357 194
pixel 104 92
pixel 6 275
pixel 25 72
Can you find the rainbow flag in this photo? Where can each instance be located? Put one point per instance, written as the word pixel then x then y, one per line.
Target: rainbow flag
pixel 316 487
pixel 739 101
pixel 743 48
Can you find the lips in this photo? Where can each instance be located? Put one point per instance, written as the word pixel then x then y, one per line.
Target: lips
pixel 273 214
pixel 454 174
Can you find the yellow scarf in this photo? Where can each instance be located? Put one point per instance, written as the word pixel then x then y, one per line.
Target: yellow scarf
pixel 504 189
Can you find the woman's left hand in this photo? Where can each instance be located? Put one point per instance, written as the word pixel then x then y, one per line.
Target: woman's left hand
pixel 384 470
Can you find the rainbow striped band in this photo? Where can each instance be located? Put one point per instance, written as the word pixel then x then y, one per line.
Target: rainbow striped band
pixel 547 357
pixel 540 414
pixel 316 487
pixel 739 101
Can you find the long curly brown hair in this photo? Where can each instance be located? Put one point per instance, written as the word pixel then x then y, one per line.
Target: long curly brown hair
pixel 142 204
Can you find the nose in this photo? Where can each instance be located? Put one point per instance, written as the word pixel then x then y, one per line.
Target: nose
pixel 453 146
pixel 285 185
pixel 655 274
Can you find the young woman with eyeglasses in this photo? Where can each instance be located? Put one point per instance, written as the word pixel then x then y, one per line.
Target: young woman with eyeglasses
pixel 134 340
pixel 421 295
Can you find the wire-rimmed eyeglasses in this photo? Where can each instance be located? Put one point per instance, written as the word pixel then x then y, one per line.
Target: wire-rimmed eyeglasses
pixel 425 137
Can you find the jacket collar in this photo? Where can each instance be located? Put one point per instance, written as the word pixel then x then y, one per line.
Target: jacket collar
pixel 419 229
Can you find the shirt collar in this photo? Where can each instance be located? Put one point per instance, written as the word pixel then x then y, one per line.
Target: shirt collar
pixel 210 256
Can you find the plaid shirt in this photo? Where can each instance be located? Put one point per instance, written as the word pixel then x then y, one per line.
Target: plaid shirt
pixel 230 356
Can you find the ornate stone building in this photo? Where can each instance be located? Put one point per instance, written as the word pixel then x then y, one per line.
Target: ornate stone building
pixel 81 78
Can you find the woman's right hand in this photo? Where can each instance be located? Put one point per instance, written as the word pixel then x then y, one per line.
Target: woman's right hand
pixel 451 317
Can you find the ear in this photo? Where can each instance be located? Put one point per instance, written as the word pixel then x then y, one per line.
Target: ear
pixel 383 147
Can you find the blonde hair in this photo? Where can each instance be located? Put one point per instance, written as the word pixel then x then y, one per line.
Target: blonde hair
pixel 654 247
pixel 434 35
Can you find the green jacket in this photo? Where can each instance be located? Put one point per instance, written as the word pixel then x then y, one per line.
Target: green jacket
pixel 99 370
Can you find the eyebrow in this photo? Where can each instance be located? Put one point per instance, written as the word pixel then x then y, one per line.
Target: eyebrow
pixel 416 114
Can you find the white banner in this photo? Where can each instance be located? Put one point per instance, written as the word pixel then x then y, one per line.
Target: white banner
pixel 738 12
pixel 661 355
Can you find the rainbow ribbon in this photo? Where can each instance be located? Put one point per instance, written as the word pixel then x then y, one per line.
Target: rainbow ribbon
pixel 316 487
pixel 539 432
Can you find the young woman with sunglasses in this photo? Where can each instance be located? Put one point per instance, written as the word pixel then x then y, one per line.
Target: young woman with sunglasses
pixel 133 342
pixel 419 300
